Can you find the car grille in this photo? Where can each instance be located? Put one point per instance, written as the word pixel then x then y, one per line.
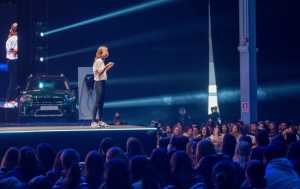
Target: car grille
pixel 48 113
pixel 47 100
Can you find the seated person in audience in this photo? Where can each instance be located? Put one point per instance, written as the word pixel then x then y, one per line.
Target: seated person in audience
pixel 28 165
pixel 255 172
pixel 9 161
pixel 105 144
pixel 93 169
pixel 279 172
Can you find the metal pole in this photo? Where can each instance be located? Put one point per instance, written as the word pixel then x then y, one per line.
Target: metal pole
pixel 248 71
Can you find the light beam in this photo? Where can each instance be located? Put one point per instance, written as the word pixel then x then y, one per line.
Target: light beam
pixel 117 13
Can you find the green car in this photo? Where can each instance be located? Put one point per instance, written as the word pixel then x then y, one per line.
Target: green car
pixel 47 96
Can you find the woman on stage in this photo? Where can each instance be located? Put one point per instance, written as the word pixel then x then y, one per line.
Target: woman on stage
pixel 12 60
pixel 100 77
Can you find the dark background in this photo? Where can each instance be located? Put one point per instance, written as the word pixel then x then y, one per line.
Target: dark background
pixel 163 51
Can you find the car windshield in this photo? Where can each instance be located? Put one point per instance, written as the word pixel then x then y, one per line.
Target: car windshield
pixel 48 84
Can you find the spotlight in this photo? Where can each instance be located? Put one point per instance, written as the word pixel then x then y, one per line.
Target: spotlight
pixel 42 34
pixel 41 59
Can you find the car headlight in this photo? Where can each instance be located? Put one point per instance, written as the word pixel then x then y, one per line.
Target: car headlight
pixel 25 98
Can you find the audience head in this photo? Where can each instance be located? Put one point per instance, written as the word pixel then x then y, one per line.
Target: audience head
pixel 244 130
pixel 46 155
pixel 94 165
pixel 224 175
pixel 205 132
pixel 134 147
pixel 229 143
pixel 262 137
pixel 115 152
pixel 225 129
pixel 27 158
pixel 181 163
pixel 246 139
pixel 204 148
pixel 181 170
pixel 159 159
pixel 68 158
pixel 255 174
pixel 10 159
pixel 163 143
pixel 253 128
pixel 116 174
pixel 196 131
pixel 177 131
pixel 235 130
pixel 178 143
pixel 273 128
pixel 217 131
pixel 105 145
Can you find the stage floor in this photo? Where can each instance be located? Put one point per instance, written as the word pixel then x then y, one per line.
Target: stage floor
pixel 20 128
pixel 80 137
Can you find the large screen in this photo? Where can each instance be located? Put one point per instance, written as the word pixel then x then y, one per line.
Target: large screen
pixel 8 15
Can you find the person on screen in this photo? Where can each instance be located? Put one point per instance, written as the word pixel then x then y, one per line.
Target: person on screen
pixel 12 59
pixel 100 77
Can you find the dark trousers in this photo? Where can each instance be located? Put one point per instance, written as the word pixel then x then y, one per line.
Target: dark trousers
pixel 12 76
pixel 99 87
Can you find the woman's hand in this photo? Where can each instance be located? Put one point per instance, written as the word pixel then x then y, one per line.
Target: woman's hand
pixel 109 65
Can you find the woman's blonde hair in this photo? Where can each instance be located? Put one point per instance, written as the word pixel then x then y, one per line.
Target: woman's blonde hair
pixel 13 29
pixel 99 51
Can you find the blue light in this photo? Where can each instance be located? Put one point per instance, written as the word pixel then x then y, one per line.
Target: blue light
pixel 3 67
pixel 42 34
pixel 120 12
pixel 41 85
pixel 167 100
pixel 139 38
pixel 41 59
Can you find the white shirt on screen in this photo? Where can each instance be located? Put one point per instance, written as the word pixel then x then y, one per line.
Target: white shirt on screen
pixel 11 43
pixel 99 66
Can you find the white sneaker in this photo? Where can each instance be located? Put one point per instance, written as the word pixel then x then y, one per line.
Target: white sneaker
pixel 103 124
pixel 6 104
pixel 94 125
pixel 14 103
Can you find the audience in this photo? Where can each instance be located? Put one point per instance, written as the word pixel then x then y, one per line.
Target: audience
pixel 261 140
pixel 224 175
pixel 254 175
pixel 9 161
pixel 259 156
pixel 229 143
pixel 27 167
pixel 134 147
pixel 105 145
pixel 46 156
pixel 93 170
pixel 280 172
pixel 116 175
pixel 39 182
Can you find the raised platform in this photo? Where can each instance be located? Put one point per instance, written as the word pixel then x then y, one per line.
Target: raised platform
pixel 80 137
